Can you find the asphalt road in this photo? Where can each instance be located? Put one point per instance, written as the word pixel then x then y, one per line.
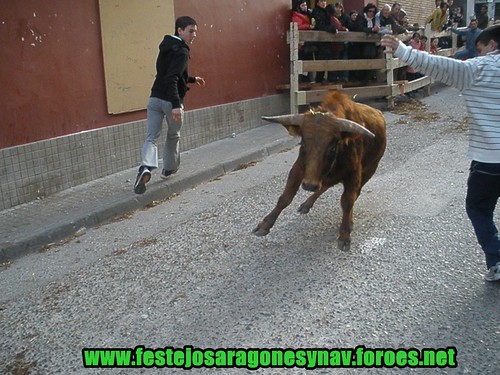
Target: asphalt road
pixel 188 271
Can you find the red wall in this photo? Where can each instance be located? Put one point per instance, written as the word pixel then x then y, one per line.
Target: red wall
pixel 52 76
pixel 240 49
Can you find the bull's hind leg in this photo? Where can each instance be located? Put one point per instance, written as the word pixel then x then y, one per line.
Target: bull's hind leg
pixel 292 186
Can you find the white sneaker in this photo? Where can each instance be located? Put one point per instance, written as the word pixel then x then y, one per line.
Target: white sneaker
pixel 493 273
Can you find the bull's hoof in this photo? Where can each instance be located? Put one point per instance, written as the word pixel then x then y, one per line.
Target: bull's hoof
pixel 260 232
pixel 344 245
pixel 303 209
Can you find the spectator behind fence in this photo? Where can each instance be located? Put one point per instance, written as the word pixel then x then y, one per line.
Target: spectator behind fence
pixel 339 48
pixel 450 14
pixel 457 18
pixel 414 42
pixel 387 22
pixel 438 17
pixel 399 73
pixel 446 41
pixel 423 43
pixel 471 34
pixel 404 22
pixel 365 22
pixel 343 17
pixel 411 73
pixel 482 18
pixel 398 16
pixel 301 15
pixel 434 46
pixel 395 9
pixel 322 22
pixel 352 18
pixel 351 52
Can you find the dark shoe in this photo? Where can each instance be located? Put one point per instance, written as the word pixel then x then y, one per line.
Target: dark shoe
pixel 164 173
pixel 142 179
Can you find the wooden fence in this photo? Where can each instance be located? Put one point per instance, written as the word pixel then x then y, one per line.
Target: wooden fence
pixel 388 87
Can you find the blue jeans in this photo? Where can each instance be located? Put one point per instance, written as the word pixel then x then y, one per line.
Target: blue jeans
pixel 464 54
pixel 483 190
pixel 158 110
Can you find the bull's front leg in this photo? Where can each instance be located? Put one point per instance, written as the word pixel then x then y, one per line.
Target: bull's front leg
pixel 293 182
pixel 347 200
pixel 311 200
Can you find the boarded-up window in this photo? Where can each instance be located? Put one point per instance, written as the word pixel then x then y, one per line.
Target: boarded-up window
pixel 131 32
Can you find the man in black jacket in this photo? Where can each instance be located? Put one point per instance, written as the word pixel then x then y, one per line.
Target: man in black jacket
pixel 166 101
pixel 483 18
pixel 321 19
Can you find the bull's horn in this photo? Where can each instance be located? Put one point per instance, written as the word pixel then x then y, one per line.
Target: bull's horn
pixel 294 120
pixel 346 125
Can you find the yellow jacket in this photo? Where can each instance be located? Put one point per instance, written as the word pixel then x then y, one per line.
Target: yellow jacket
pixel 437 19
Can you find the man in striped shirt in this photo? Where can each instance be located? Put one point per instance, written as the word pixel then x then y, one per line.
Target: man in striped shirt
pixel 479 80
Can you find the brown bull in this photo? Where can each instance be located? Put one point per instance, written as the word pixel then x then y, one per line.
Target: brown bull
pixel 342 141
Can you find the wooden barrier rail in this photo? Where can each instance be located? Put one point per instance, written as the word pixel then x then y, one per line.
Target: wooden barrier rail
pixel 389 88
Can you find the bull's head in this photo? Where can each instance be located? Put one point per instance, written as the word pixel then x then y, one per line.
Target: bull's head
pixel 321 133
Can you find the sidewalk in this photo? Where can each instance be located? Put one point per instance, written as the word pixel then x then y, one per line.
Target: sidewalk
pixel 29 227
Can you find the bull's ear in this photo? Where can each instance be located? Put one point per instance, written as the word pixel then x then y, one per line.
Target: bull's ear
pixel 290 122
pixel 293 130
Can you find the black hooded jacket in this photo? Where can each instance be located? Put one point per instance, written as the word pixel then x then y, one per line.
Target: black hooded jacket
pixel 323 20
pixel 172 71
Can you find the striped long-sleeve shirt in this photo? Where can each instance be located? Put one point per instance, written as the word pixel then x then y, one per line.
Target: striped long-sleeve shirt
pixel 479 80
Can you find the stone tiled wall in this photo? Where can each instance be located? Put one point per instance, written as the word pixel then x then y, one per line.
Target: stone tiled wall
pixel 35 170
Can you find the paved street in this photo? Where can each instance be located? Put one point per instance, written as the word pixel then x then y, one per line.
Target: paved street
pixel 188 271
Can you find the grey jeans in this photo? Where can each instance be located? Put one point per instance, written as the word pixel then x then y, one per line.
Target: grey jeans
pixel 157 110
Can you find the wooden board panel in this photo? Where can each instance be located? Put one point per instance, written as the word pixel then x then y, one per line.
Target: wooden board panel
pixel 131 31
pixel 316 96
pixel 341 36
pixel 332 65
